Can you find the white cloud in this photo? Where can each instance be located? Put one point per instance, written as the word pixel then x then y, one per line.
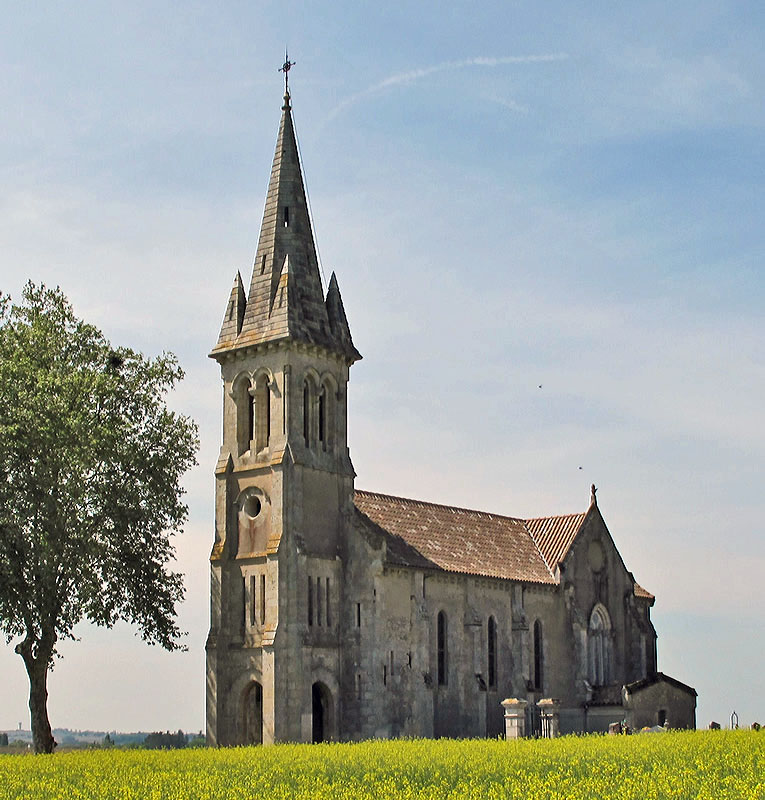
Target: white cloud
pixel 413 75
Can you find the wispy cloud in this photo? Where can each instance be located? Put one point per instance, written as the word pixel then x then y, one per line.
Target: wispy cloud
pixel 413 75
pixel 508 103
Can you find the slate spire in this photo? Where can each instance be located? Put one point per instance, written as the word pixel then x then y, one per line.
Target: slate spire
pixel 286 300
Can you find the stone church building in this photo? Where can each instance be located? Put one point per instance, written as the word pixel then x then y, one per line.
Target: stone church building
pixel 339 614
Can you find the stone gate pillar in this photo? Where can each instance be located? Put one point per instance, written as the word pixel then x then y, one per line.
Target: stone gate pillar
pixel 515 717
pixel 549 709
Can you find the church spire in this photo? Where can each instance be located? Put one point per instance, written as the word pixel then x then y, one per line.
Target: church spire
pixel 286 300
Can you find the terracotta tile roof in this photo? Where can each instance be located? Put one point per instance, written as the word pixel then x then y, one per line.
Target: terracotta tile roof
pixel 555 535
pixel 430 536
pixel 455 539
pixel 641 592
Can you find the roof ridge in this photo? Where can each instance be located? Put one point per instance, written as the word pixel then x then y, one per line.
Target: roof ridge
pixel 468 510
pixel 412 500
pixel 556 516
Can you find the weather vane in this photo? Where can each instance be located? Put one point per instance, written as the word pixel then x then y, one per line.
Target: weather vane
pixel 285 68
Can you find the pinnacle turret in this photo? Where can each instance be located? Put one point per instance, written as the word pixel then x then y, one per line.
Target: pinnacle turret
pixel 234 317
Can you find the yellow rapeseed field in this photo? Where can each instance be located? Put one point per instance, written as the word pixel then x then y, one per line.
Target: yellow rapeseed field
pixel 700 765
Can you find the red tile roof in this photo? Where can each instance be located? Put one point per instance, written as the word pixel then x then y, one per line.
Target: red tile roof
pixel 457 539
pixel 430 536
pixel 555 535
pixel 641 592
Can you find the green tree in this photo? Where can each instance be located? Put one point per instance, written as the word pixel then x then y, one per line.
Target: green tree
pixel 90 465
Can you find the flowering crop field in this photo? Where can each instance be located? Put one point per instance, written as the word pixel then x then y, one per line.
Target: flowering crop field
pixel 700 765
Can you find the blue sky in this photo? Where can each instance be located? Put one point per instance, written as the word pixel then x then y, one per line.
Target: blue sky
pixel 511 194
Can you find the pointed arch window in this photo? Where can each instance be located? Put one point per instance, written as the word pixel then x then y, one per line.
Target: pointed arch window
pixel 260 424
pixel 442 652
pixel 250 417
pixel 492 652
pixel 307 397
pixel 323 417
pixel 537 677
pixel 245 413
pixel 599 646
pixel 327 414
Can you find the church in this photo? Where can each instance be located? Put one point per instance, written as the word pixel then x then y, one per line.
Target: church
pixel 339 614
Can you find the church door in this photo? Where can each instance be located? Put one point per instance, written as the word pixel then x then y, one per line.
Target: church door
pixel 320 701
pixel 253 714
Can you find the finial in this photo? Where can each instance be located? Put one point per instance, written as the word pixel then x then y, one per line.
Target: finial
pixel 593 498
pixel 285 68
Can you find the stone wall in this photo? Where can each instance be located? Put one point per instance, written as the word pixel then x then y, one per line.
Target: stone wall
pixel 660 702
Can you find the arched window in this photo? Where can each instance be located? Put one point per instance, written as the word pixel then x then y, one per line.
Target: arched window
pixel 245 413
pixel 260 424
pixel 492 652
pixel 599 646
pixel 327 413
pixel 250 419
pixel 442 648
pixel 323 417
pixel 307 412
pixel 537 678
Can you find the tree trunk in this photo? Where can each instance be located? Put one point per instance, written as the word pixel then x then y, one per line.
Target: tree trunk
pixel 37 670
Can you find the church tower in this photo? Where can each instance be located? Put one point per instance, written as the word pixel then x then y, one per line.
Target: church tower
pixel 283 484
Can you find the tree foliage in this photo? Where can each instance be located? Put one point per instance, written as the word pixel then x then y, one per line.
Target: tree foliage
pixel 90 465
pixel 165 741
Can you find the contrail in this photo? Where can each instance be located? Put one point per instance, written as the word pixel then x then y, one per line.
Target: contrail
pixel 416 74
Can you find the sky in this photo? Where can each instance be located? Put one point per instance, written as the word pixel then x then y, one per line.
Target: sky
pixel 544 220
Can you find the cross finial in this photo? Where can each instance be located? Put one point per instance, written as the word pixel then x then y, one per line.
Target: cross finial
pixel 285 68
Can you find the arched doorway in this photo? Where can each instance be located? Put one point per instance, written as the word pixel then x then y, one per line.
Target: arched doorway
pixel 321 709
pixel 252 707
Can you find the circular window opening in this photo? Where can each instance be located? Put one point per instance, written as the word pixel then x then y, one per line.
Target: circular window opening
pixel 252 506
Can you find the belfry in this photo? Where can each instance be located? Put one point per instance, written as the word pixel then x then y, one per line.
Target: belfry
pixel 338 614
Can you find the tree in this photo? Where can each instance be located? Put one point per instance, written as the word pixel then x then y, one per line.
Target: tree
pixel 90 465
pixel 165 741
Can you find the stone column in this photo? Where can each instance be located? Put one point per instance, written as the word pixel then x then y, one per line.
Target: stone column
pixel 515 717
pixel 549 709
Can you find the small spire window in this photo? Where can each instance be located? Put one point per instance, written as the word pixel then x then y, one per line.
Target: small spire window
pixel 286 216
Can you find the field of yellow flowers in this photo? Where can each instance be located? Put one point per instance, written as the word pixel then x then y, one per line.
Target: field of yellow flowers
pixel 703 765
